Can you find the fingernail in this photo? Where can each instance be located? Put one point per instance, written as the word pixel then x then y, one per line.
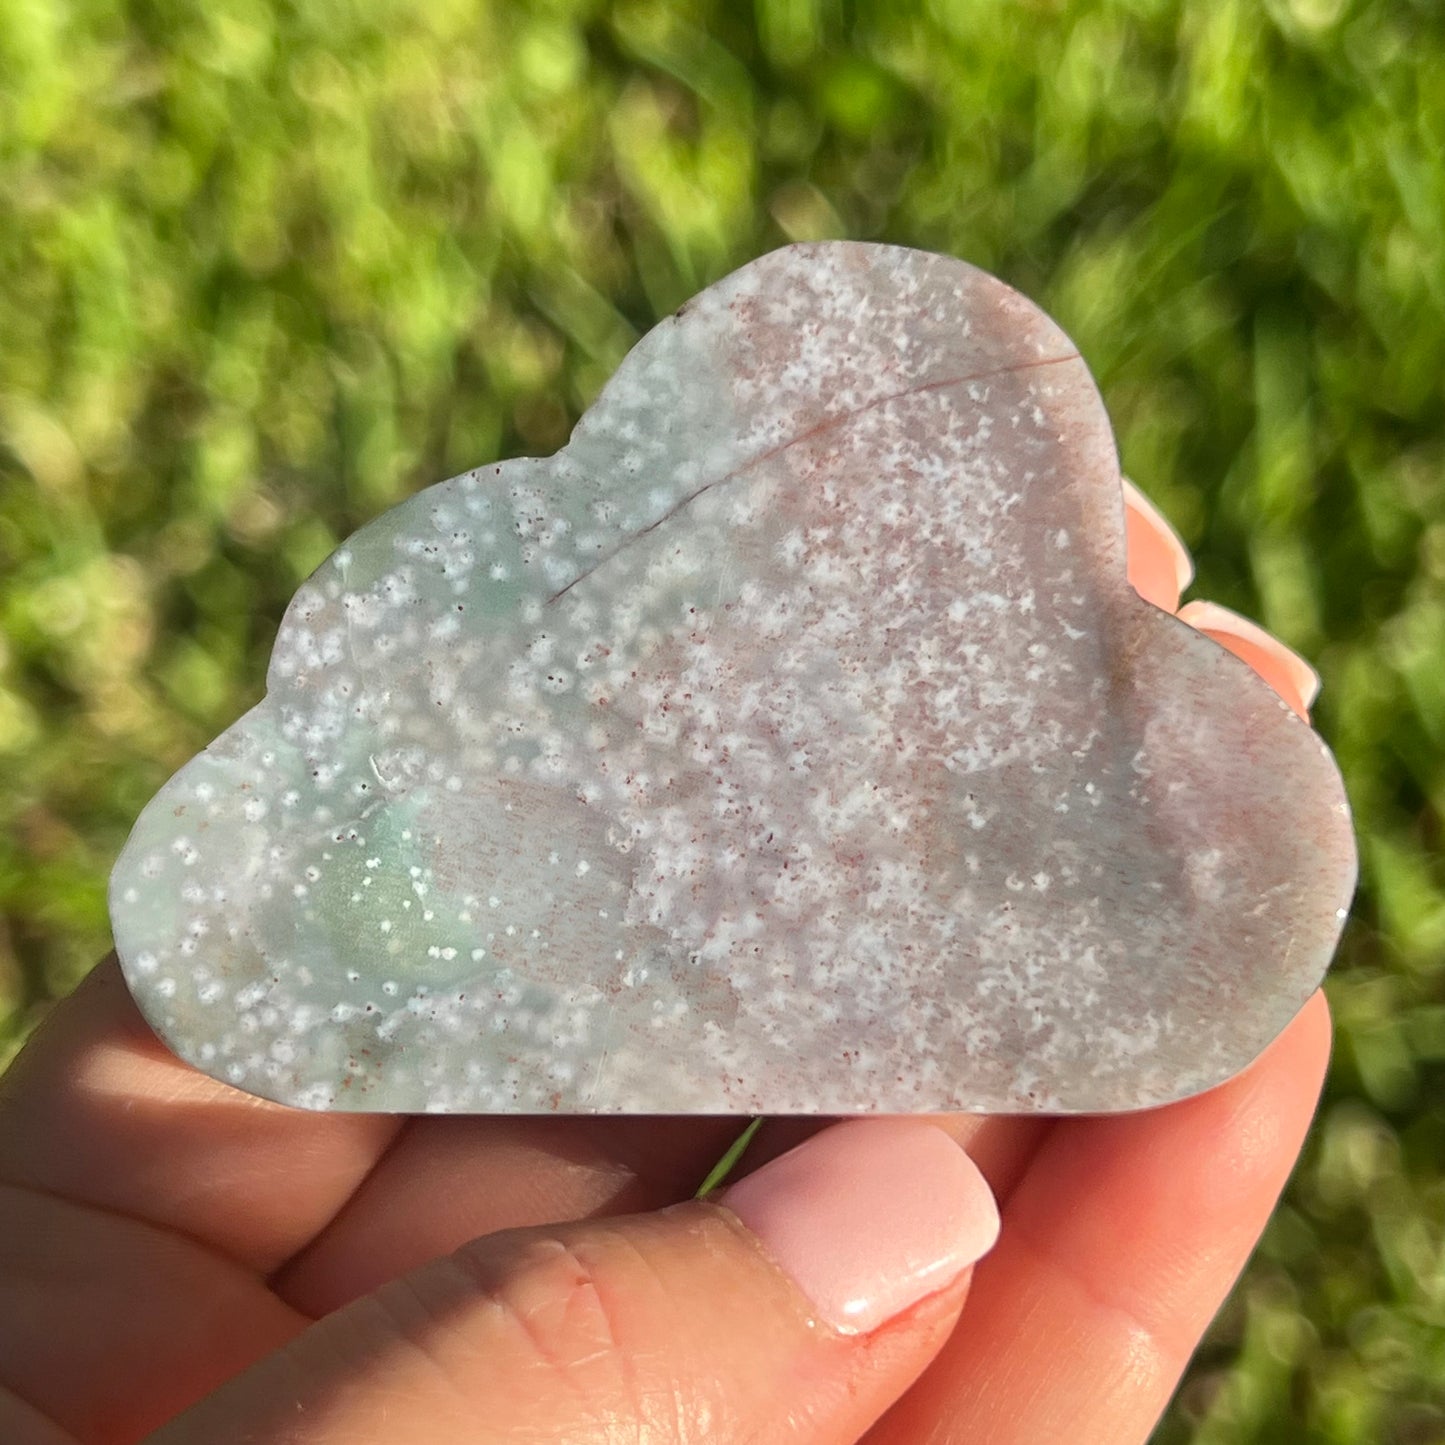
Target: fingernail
pixel 1158 563
pixel 1281 667
pixel 869 1217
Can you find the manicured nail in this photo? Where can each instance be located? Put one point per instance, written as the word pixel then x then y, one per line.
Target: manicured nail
pixel 1283 669
pixel 1158 563
pixel 869 1217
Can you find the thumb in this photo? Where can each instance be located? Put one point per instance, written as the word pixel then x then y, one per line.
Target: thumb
pixel 798 1309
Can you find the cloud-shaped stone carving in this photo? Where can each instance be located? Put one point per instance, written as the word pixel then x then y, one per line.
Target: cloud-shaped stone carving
pixel 790 741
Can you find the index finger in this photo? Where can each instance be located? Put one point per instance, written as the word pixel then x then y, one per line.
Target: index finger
pixel 98 1111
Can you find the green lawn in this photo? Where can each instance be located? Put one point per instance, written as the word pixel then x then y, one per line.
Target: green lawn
pixel 266 268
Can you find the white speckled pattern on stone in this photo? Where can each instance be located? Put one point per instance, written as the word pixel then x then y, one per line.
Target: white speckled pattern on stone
pixel 789 742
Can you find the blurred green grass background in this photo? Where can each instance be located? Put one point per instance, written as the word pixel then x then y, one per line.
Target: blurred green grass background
pixel 267 267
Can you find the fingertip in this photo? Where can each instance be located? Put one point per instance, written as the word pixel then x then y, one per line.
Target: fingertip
pixel 1280 666
pixel 1314 1028
pixel 1158 562
pixel 869 1217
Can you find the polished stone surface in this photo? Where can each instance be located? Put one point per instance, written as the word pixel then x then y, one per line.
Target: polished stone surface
pixel 791 741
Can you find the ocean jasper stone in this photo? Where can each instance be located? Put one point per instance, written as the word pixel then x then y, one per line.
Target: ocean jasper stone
pixel 790 742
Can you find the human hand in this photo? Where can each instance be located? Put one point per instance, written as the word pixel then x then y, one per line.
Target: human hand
pixel 179 1257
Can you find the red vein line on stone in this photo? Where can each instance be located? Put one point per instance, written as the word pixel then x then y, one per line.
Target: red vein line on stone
pixel 823 426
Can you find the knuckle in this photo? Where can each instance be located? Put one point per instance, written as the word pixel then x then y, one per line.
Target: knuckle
pixel 588 1327
pixel 581 1317
pixel 556 1299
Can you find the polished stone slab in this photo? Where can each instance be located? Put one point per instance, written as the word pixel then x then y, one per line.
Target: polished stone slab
pixel 791 741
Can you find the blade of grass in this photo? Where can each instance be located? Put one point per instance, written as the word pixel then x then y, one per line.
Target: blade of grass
pixel 728 1162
